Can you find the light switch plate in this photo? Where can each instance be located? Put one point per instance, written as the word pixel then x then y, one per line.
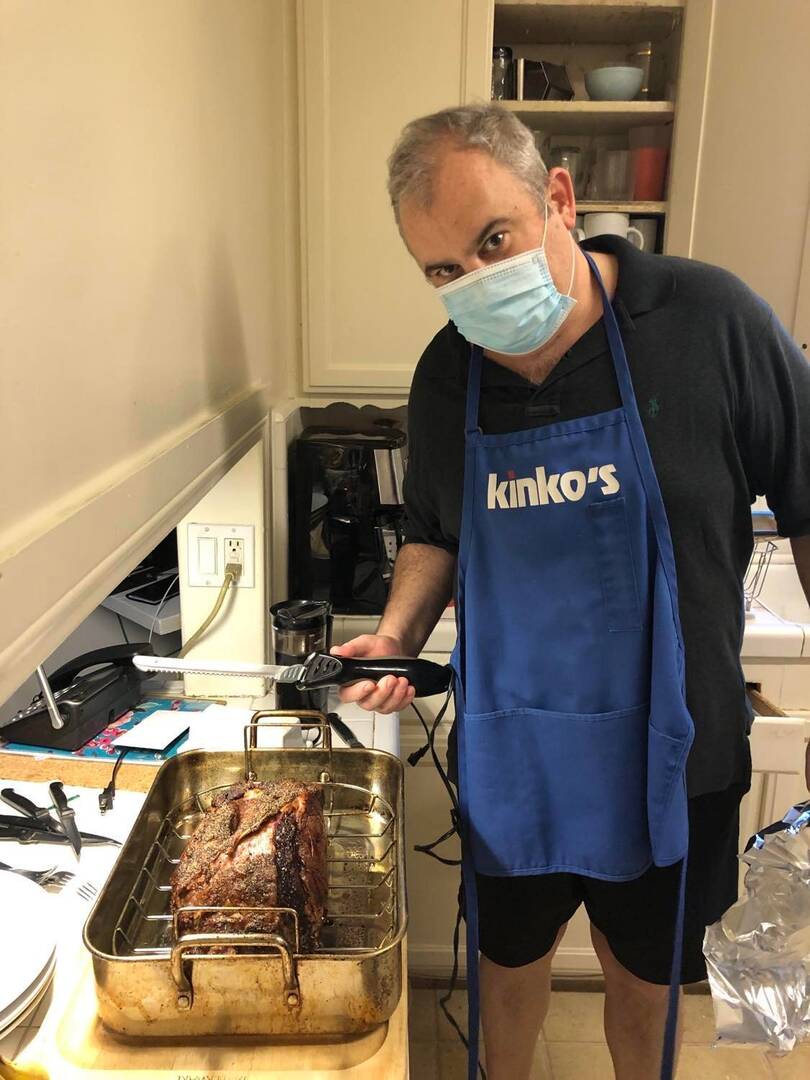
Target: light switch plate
pixel 197 575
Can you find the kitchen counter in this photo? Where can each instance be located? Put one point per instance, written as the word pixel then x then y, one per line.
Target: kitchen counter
pixel 767 633
pixel 372 729
pixel 72 1044
pixel 65 1037
pixel 76 771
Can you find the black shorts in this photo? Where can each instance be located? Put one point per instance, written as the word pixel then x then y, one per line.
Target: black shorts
pixel 520 917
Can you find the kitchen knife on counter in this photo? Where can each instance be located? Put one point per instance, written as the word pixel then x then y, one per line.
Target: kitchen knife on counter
pixel 38 820
pixel 66 815
pixel 318 670
pixel 26 831
pixel 19 802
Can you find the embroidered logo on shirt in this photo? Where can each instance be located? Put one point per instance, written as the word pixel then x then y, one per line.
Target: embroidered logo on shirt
pixel 543 488
pixel 653 407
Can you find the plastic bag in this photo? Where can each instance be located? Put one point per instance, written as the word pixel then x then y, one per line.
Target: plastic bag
pixel 758 954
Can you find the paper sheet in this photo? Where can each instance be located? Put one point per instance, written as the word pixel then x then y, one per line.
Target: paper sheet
pixel 159 730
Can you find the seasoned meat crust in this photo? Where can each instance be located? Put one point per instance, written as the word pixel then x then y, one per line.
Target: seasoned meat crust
pixel 261 844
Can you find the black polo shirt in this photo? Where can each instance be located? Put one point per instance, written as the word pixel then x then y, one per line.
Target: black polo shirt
pixel 724 396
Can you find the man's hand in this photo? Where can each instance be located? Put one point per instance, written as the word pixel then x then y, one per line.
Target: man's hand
pixel 389 694
pixel 422 585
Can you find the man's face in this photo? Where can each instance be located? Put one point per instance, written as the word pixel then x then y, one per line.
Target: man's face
pixel 481 213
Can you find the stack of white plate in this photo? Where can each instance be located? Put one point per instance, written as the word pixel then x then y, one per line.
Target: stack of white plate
pixel 27 948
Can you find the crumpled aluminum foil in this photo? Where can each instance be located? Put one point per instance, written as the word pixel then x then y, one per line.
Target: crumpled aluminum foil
pixel 758 954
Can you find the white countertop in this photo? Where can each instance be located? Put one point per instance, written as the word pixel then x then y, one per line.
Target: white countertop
pixel 222 726
pixel 168 618
pixel 766 635
pixel 69 909
pixel 47 1037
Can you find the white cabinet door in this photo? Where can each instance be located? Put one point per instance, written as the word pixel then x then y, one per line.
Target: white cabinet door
pixel 366 69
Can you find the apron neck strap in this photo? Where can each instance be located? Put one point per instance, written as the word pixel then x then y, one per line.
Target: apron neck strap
pixel 615 343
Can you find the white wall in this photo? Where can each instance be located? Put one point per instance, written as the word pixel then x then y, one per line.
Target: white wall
pixel 240 630
pixel 148 307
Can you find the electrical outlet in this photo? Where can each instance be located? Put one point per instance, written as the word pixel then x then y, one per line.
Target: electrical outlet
pixel 211 547
pixel 235 550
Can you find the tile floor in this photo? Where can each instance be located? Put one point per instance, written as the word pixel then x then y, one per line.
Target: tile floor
pixel 572 1046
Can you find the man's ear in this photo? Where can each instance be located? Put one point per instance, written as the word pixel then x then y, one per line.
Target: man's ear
pixel 561 195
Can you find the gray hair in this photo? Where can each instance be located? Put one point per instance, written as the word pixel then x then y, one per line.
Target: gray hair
pixel 415 158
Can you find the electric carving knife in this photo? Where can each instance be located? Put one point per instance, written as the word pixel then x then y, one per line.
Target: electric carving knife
pixel 318 670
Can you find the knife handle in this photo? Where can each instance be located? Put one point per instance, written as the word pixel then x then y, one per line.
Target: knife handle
pixel 12 798
pixel 59 797
pixel 424 676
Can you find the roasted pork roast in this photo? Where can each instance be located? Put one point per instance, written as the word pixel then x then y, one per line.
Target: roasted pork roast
pixel 261 844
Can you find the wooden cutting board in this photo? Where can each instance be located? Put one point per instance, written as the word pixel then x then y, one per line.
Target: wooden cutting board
pixel 73 1044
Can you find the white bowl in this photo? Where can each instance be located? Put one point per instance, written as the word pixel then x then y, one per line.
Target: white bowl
pixel 613 83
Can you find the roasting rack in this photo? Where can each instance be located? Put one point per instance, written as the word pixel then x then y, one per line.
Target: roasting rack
pixel 757 570
pixel 362 915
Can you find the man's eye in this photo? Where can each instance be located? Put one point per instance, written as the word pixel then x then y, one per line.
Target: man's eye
pixel 442 273
pixel 492 243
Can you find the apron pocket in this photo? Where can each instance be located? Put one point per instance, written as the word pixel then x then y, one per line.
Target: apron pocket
pixel 547 791
pixel 614 554
pixel 667 809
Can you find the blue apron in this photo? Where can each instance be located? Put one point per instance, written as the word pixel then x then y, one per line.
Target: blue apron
pixel 572 725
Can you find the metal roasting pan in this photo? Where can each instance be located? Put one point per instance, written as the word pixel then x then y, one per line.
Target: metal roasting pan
pixel 152 981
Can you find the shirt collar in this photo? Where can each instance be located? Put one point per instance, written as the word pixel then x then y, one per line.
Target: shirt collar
pixel 645 282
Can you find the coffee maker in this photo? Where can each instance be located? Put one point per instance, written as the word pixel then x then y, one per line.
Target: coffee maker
pixel 346 515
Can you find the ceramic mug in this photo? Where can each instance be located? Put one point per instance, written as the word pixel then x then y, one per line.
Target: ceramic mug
pixel 613 224
pixel 648 227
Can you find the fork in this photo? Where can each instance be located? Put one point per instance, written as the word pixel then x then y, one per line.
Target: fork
pixel 51 876
pixel 87 890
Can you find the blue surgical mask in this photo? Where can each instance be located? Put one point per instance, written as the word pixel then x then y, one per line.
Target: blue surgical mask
pixel 512 307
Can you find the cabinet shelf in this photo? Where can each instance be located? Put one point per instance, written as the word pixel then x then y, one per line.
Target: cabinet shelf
pixel 590 117
pixel 599 22
pixel 589 206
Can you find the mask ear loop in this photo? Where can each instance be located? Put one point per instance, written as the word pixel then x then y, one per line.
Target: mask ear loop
pixel 573 262
pixel 545 227
pixel 573 249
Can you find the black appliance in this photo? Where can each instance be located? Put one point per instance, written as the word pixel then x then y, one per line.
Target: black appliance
pixel 346 515
pixel 158 564
pixel 90 692
pixel 300 627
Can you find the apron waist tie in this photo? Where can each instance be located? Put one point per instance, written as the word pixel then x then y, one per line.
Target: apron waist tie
pixel 670 1030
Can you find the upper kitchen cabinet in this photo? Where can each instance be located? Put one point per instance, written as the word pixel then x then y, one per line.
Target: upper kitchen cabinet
pixel 366 69
pixel 753 171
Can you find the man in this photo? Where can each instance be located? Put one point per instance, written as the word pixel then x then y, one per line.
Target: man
pixel 611 431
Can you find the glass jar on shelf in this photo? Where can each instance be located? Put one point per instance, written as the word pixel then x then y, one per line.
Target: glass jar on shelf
pixel 502 73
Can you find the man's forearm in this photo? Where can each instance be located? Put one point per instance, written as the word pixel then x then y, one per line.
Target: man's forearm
pixel 422 586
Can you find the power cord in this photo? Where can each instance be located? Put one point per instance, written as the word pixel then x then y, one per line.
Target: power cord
pixel 106 797
pixel 160 606
pixel 233 571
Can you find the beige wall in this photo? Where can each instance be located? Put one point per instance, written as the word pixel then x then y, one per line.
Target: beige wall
pixel 754 179
pixel 147 198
